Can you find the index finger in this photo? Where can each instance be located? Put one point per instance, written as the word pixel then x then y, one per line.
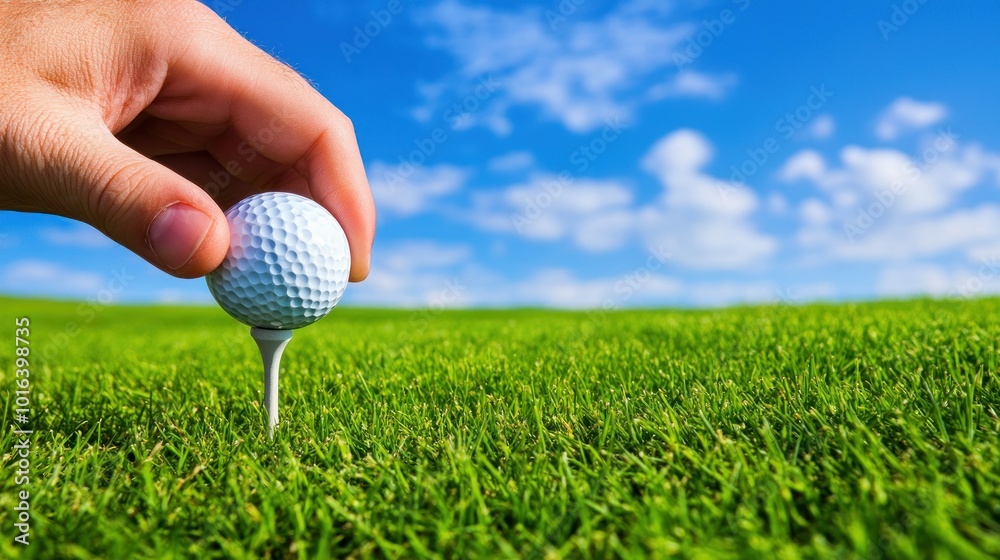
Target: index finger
pixel 219 77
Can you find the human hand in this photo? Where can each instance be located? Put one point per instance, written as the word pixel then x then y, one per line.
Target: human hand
pixel 118 114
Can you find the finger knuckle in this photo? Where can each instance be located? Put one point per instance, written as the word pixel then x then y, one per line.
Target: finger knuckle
pixel 343 122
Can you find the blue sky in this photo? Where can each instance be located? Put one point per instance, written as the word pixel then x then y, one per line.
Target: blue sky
pixel 615 154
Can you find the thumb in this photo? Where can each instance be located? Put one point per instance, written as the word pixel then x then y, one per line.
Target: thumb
pixel 159 215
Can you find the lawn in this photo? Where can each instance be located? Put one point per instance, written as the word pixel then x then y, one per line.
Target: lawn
pixel 822 431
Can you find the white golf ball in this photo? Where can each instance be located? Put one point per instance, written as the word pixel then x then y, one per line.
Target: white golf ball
pixel 287 264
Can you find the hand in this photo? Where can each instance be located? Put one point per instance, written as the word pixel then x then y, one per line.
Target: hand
pixel 123 114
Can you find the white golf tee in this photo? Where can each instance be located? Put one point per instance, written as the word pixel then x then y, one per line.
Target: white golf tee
pixel 272 343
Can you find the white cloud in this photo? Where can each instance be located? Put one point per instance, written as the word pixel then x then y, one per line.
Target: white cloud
pixel 882 205
pixel 722 293
pixel 408 190
pixel 513 161
pixel 906 114
pixel 777 204
pixel 414 255
pixel 815 213
pixel 45 277
pixel 823 126
pixel 703 221
pixel 904 240
pixel 427 276
pixel 907 280
pixel 927 182
pixel 416 274
pixel 78 235
pixel 987 252
pixel 689 83
pixel 807 164
pixel 578 72
pixel 595 215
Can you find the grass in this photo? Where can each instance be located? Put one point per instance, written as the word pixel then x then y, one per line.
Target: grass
pixel 847 431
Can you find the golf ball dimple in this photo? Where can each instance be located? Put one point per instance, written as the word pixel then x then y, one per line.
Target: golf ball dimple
pixel 287 264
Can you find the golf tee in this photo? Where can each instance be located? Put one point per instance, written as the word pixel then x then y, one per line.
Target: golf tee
pixel 271 343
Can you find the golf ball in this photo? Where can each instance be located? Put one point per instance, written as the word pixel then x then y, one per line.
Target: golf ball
pixel 287 264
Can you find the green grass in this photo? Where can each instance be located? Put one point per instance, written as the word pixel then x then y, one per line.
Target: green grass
pixel 849 431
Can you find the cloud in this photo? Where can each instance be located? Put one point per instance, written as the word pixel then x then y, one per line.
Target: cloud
pixel 906 114
pixel 815 213
pixel 823 126
pixel 807 164
pixel 929 181
pixel 513 161
pixel 777 204
pixel 407 190
pixel 427 287
pixel 882 205
pixel 702 220
pixel 927 236
pixel 416 274
pixel 560 288
pixel 689 83
pixel 908 280
pixel 577 72
pixel 78 235
pixel 34 276
pixel 595 215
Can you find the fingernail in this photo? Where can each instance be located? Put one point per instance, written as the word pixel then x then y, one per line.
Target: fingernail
pixel 176 234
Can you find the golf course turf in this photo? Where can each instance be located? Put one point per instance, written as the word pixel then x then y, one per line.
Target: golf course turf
pixel 821 431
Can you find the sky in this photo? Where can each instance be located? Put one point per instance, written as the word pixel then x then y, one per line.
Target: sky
pixel 590 154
